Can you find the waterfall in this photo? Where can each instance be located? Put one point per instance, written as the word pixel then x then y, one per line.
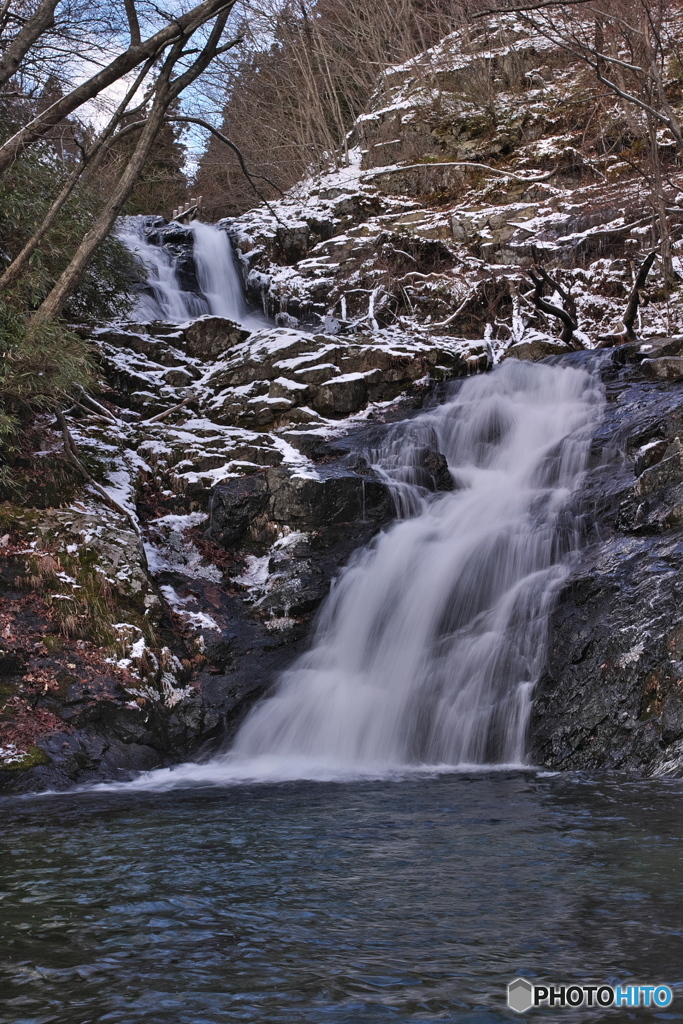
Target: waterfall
pixel 427 650
pixel 168 301
pixel 430 643
pixel 219 280
pixel 221 288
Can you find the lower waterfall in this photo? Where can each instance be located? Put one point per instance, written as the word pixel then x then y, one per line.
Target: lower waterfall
pixel 429 645
pixel 427 650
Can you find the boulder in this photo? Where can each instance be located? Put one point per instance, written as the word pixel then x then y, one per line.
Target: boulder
pixel 209 336
pixel 343 395
pixel 663 368
pixel 234 506
pixel 537 349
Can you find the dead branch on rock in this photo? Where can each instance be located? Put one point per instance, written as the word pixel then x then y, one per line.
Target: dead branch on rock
pixel 71 452
pixel 566 315
pixel 167 412
pixel 636 299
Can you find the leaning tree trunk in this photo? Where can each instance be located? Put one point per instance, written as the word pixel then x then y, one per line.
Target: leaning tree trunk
pixel 80 176
pixel 70 279
pixel 166 91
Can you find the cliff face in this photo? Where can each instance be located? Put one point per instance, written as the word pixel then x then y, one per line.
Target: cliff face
pixel 612 693
pixel 475 159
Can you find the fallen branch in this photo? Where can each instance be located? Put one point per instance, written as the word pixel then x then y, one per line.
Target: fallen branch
pixel 167 412
pixel 96 405
pixel 71 452
pixel 635 300
pixel 453 316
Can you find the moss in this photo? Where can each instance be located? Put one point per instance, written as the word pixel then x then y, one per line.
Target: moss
pixel 33 757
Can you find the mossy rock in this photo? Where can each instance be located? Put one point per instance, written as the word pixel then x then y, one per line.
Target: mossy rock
pixel 33 757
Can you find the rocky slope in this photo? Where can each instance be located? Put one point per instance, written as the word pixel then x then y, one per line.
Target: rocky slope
pixel 135 633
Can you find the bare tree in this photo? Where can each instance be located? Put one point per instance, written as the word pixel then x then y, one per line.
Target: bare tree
pixel 180 27
pixel 83 173
pixel 30 29
pixel 627 44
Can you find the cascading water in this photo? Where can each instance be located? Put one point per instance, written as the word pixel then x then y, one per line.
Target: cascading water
pixel 218 278
pixel 429 645
pixel 222 292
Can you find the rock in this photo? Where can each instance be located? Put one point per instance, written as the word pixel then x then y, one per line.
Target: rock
pixel 663 368
pixel 235 506
pixel 342 395
pixel 318 374
pixel 106 545
pixel 611 695
pixel 434 465
pixel 539 348
pixel 210 336
pixel 655 348
pixel 336 499
pixel 180 378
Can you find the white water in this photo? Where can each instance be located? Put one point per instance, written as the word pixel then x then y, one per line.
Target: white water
pixel 428 648
pixel 222 291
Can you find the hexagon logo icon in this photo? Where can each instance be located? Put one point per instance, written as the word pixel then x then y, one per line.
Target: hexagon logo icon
pixel 520 995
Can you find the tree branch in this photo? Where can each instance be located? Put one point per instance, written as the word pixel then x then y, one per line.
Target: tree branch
pixel 224 139
pixel 183 26
pixel 133 23
pixel 569 324
pixel 635 300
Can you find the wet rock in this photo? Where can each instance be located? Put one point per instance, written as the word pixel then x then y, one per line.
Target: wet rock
pixel 332 500
pixel 235 506
pixel 437 476
pixel 611 695
pixel 663 368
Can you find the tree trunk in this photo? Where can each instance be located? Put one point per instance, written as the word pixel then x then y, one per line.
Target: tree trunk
pixel 659 203
pixel 81 174
pixel 70 279
pixel 31 31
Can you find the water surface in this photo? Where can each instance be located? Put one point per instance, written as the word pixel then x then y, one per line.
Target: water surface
pixel 306 903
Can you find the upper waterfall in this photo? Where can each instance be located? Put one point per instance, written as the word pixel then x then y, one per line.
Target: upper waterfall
pixel 221 287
